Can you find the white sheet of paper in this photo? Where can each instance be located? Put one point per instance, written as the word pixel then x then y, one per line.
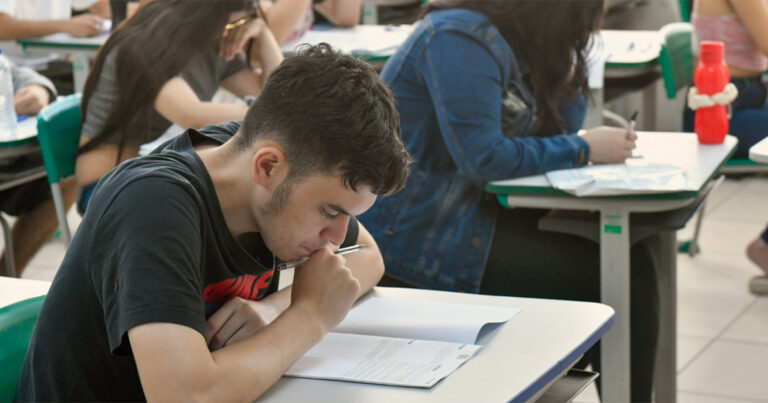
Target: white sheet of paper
pixel 381 360
pixel 618 179
pixel 459 323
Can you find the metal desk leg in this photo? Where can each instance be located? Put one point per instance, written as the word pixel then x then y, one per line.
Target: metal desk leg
pixel 80 70
pixel 665 374
pixel 614 290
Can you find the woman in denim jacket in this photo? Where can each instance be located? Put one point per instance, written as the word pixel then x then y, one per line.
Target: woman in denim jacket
pixel 491 90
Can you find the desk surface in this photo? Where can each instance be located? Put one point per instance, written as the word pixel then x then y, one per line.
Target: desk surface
pixel 631 48
pixel 759 151
pixel 699 161
pixel 518 359
pixel 62 40
pixel 26 131
pixel 376 42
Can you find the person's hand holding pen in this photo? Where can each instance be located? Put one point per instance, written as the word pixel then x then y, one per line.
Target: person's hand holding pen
pixel 609 145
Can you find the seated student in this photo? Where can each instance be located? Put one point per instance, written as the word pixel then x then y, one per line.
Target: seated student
pixel 31 202
pixel 743 27
pixel 289 19
pixel 24 18
pixel 145 304
pixel 514 110
pixel 163 66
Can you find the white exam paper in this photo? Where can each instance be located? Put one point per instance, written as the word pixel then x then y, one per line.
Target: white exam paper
pixel 381 360
pixel 619 179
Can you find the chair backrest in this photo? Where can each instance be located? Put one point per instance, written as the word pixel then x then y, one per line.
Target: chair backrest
pixel 16 324
pixel 685 10
pixel 58 132
pixel 676 58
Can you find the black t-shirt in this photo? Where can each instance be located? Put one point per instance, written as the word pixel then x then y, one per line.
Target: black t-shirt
pixel 153 247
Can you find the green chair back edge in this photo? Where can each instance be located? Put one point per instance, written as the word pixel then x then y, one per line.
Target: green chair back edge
pixel 58 132
pixel 17 322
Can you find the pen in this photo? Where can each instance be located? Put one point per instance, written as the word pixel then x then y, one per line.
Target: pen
pixel 632 121
pixel 342 251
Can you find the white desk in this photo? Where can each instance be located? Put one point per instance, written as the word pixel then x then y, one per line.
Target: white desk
pixel 81 49
pixel 759 151
pixel 375 42
pixel 700 163
pixel 13 290
pixel 518 360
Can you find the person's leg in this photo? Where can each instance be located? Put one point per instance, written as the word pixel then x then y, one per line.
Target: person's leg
pixel 35 227
pixel 757 251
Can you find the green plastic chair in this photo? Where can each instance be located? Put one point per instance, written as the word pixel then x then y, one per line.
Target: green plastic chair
pixel 58 132
pixel 16 324
pixel 676 57
pixel 685 10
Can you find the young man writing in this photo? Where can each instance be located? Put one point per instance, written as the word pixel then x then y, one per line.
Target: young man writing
pixel 154 298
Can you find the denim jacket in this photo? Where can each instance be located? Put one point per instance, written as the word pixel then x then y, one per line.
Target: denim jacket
pixel 465 115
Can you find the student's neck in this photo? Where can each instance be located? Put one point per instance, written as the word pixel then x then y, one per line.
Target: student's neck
pixel 231 188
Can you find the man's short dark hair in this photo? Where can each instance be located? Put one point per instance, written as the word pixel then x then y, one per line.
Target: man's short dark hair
pixel 331 113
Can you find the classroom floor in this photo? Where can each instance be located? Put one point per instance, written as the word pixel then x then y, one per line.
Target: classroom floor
pixel 723 329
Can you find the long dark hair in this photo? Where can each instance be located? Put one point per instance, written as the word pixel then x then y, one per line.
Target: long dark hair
pixel 156 45
pixel 551 37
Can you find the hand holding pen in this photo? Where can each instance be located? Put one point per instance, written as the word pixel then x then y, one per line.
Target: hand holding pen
pixel 609 145
pixel 340 252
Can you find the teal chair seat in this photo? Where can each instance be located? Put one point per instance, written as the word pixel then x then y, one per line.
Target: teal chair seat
pixel 16 324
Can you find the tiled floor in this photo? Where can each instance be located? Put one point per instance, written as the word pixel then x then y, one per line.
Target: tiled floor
pixel 723 330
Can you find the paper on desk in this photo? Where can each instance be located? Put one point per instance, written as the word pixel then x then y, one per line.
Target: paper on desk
pixel 460 323
pixel 381 360
pixel 619 179
pixel 361 40
pixel 378 342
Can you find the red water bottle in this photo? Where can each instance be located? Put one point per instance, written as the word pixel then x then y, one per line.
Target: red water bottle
pixel 710 77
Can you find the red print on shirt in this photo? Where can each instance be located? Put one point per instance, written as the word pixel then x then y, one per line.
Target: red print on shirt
pixel 246 286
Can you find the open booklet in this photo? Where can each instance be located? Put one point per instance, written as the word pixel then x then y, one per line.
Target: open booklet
pixel 400 342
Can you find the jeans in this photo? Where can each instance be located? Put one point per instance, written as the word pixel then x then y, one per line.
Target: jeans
pixel 749 115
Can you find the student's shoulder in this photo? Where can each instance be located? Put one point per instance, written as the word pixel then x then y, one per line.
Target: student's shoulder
pixel 457 19
pixel 222 131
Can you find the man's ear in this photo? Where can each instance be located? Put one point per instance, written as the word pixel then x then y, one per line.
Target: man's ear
pixel 269 166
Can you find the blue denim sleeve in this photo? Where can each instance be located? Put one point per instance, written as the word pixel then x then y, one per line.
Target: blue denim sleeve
pixel 573 113
pixel 465 84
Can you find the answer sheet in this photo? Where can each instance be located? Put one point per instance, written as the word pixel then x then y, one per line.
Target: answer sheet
pixel 381 360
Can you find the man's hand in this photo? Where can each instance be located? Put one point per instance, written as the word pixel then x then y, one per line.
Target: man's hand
pixel 83 25
pixel 31 99
pixel 609 144
pixel 237 320
pixel 325 287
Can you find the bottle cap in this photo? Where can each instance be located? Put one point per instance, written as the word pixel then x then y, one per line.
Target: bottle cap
pixel 712 51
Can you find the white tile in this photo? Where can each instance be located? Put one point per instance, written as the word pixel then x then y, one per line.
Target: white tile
pixel 688 347
pixel 725 236
pixel 688 397
pixel 752 326
pixel 712 292
pixel 725 368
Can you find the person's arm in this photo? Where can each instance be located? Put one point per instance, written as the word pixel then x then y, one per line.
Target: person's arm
pixel 265 54
pixel 343 13
pixel 467 99
pixel 239 319
pixel 283 16
pixel 174 362
pixel 79 26
pixel 178 103
pixel 102 9
pixel 754 15
pixel 33 91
